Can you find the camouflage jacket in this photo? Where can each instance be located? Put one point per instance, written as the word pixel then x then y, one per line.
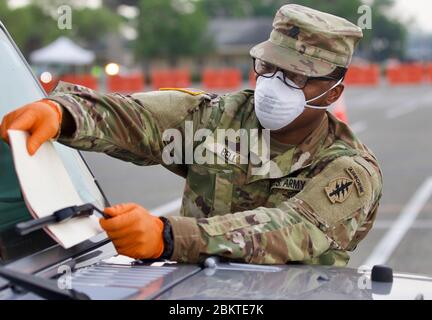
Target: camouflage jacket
pixel 318 200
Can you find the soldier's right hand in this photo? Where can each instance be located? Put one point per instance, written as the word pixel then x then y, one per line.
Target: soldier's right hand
pixel 41 119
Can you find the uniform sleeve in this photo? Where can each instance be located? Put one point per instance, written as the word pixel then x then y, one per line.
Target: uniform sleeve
pixel 330 215
pixel 129 127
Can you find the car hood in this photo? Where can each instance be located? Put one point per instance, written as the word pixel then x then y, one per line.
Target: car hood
pixel 238 281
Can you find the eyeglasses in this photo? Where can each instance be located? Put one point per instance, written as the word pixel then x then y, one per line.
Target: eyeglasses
pixel 268 70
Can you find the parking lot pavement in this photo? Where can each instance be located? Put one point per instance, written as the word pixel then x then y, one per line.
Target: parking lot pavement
pixel 396 125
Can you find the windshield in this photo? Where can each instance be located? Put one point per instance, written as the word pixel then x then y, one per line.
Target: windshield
pixel 18 87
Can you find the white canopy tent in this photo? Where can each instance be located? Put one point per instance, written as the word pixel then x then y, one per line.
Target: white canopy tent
pixel 62 51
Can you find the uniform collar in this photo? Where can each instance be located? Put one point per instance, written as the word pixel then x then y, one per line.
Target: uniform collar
pixel 293 159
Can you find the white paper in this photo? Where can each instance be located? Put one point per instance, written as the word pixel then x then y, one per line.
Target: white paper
pixel 47 187
pixel 120 260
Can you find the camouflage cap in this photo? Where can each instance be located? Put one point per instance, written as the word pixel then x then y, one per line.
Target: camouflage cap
pixel 308 42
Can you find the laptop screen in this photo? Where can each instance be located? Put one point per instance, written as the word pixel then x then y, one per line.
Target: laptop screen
pixel 18 86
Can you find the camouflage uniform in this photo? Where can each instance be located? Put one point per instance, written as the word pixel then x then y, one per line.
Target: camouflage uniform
pixel 317 201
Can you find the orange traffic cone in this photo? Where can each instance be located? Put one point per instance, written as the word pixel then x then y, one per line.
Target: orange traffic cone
pixel 340 110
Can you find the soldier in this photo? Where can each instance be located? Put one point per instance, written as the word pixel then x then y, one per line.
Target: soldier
pixel 318 200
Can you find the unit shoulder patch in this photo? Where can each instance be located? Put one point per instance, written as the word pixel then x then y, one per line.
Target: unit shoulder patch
pixel 330 195
pixel 339 189
pixel 357 181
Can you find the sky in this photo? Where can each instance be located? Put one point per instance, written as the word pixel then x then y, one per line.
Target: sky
pixel 419 10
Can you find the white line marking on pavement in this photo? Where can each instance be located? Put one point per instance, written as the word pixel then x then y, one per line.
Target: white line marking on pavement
pixel 391 239
pixel 397 112
pixel 418 224
pixel 362 101
pixel 169 207
pixel 359 126
pixel 408 107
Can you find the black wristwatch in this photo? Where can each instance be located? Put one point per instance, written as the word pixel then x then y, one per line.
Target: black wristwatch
pixel 168 239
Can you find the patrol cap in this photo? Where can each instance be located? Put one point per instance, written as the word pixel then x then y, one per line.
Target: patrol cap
pixel 308 41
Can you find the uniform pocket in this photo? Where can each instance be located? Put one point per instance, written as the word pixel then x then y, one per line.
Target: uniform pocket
pixel 223 192
pixel 211 187
pixel 220 225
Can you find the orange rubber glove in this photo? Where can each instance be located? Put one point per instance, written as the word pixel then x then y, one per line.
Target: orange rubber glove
pixel 42 119
pixel 134 231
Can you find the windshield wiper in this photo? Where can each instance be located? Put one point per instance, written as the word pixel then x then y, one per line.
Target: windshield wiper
pixel 58 216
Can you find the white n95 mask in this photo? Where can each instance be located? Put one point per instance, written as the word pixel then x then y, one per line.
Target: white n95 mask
pixel 277 105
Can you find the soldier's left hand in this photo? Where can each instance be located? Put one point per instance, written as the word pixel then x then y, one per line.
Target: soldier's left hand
pixel 134 231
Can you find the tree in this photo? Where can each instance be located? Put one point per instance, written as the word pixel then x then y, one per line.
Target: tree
pixel 90 25
pixel 4 9
pixel 256 8
pixel 31 27
pixel 387 38
pixel 171 29
pixel 35 25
